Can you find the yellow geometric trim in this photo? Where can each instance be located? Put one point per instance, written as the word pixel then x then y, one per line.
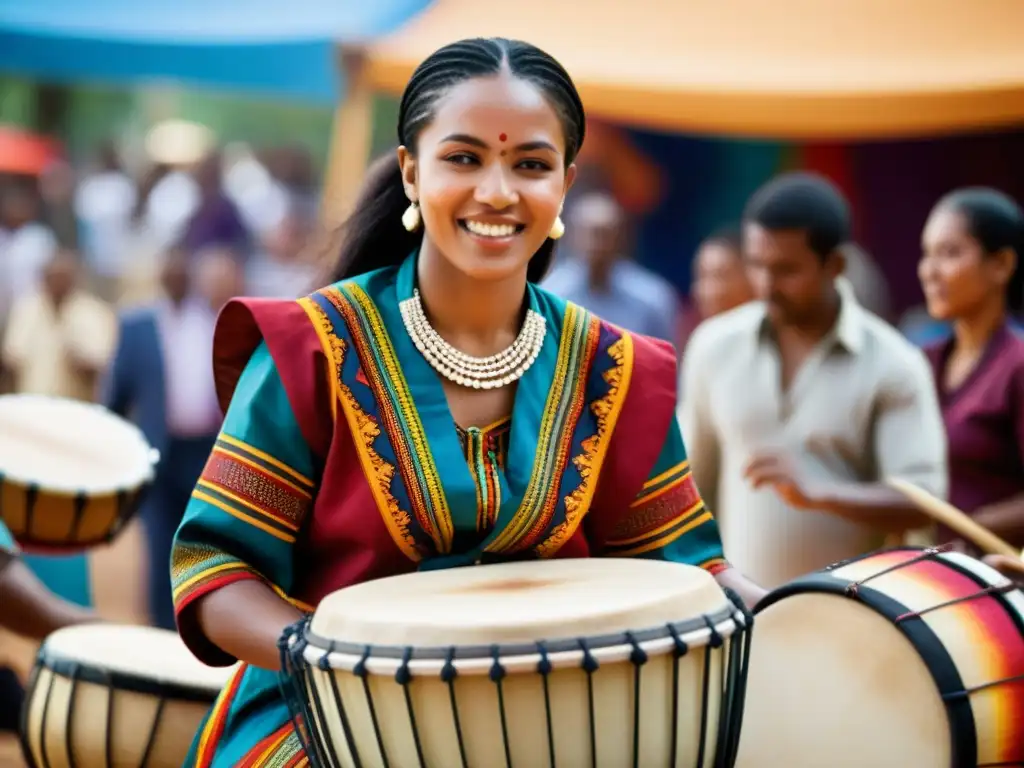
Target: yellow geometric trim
pixel 364 431
pixel 263 470
pixel 187 585
pixel 332 351
pixel 595 448
pixel 659 530
pixel 646 499
pixel 669 536
pixel 238 514
pixel 266 457
pixel 239 500
pixel 677 469
pixel 442 529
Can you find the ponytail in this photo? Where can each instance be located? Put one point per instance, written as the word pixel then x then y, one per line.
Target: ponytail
pixel 373 236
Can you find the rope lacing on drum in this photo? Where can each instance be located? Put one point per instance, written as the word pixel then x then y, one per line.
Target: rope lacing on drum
pixel 544 668
pixel 680 649
pixel 739 663
pixel 497 674
pixel 984 686
pixel 403 676
pixel 590 666
pixel 714 642
pixel 926 554
pixel 998 589
pixel 637 657
pixel 324 665
pixel 360 671
pixel 448 675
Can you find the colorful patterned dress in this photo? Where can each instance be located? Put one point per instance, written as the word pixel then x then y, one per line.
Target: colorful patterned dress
pixel 340 462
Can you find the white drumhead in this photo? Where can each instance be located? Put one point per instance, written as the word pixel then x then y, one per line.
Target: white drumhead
pixel 142 652
pixel 519 602
pixel 67 446
pixel 833 683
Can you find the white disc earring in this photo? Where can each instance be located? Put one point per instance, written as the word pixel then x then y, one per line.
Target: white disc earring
pixel 411 217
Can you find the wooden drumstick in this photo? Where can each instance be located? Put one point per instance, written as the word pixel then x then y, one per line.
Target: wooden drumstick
pixel 953 518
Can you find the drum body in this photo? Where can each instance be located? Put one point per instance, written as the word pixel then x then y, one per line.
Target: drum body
pixel 908 658
pixel 579 662
pixel 71 473
pixel 117 697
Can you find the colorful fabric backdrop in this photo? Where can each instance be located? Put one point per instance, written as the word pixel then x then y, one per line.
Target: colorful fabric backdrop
pixel 891 184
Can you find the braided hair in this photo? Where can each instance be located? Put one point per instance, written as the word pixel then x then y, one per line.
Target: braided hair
pixel 997 223
pixel 373 236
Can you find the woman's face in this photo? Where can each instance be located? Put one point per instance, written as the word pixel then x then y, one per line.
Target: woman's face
pixel 489 175
pixel 956 276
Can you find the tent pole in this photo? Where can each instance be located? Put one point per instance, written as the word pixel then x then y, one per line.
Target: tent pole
pixel 350 140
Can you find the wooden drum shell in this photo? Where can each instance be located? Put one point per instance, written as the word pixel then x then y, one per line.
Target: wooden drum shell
pixel 79 713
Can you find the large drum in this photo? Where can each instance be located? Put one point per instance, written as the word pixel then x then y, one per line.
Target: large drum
pixel 570 663
pixel 909 658
pixel 71 473
pixel 117 697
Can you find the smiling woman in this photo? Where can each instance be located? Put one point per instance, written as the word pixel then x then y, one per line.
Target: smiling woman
pixel 432 407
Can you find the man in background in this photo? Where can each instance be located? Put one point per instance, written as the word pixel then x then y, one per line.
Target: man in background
pixel 798 406
pixel 599 276
pixel 162 379
pixel 59 338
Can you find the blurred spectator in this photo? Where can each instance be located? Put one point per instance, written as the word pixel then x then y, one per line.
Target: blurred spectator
pixel 59 338
pixel 720 281
pixel 599 276
pixel 104 204
pixel 870 285
pixel 216 220
pixel 972 279
pixel 261 199
pixel 27 246
pixel 161 378
pixel 57 191
pixel 796 407
pixel 282 268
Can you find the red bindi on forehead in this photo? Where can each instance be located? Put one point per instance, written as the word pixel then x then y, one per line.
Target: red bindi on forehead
pixel 503 137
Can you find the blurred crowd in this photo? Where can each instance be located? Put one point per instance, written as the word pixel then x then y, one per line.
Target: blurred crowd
pixel 110 283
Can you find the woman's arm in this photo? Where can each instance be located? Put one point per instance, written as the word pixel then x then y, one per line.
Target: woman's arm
pixel 233 558
pixel 27 607
pixel 245 620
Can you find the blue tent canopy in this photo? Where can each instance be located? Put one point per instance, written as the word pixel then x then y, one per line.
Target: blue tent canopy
pixel 278 48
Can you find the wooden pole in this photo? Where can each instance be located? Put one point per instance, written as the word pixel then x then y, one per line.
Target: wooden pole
pixel 351 139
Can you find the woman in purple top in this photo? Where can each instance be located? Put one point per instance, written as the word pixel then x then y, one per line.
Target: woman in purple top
pixel 970 275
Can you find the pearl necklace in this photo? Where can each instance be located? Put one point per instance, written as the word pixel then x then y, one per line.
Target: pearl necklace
pixel 498 370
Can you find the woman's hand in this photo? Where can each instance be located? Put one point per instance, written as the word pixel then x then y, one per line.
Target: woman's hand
pixel 749 592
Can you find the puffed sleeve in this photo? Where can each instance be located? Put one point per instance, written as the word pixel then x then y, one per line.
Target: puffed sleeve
pixel 249 504
pixel 668 519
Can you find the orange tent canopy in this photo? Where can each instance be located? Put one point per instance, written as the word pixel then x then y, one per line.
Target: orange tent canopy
pixel 794 69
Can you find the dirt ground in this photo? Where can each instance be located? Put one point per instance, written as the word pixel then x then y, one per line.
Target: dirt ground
pixel 119 595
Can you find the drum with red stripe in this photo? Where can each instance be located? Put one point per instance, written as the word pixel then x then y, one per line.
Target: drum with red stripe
pixel 907 658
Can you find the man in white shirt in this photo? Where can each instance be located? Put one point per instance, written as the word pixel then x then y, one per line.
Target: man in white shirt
pixel 798 406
